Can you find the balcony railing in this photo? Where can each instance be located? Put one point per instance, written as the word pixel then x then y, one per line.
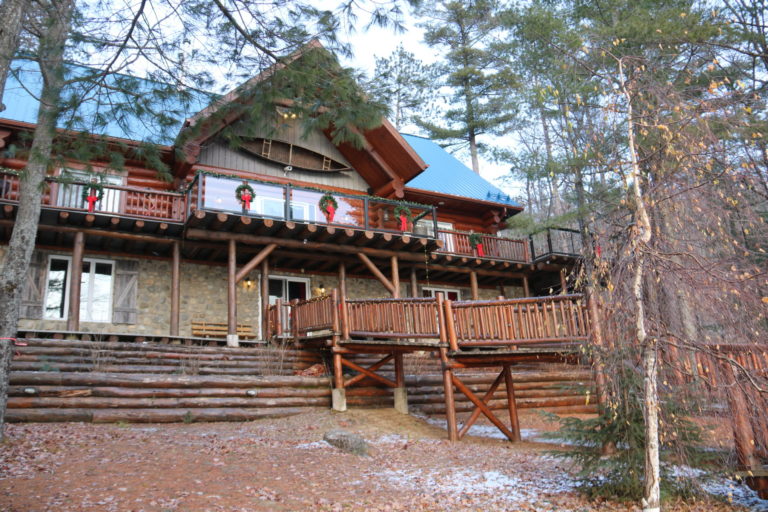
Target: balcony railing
pixel 292 203
pixel 494 247
pixel 555 241
pixel 116 199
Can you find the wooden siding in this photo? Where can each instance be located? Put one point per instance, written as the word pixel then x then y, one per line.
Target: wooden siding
pixel 220 156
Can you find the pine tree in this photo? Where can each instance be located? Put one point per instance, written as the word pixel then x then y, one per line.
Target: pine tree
pixel 405 84
pixel 465 33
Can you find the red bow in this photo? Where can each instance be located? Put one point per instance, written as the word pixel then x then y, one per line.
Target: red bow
pixel 91 202
pixel 330 211
pixel 480 251
pixel 246 198
pixel 403 222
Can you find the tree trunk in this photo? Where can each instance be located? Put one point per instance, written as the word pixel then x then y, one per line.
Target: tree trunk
pixel 12 12
pixel 51 58
pixel 640 238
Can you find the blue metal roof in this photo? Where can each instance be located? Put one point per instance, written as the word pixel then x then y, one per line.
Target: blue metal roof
pixel 103 111
pixel 447 175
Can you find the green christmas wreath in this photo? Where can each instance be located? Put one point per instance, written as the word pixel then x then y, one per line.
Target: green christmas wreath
pixel 401 209
pixel 326 200
pixel 241 189
pixel 86 192
pixel 475 239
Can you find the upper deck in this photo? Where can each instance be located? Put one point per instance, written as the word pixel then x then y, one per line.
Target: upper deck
pixel 209 202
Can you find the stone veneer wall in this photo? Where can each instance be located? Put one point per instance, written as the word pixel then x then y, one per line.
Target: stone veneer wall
pixel 204 297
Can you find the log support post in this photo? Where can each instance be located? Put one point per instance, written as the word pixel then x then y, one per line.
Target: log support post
pixel 232 338
pixel 342 282
pixel 73 318
pixel 338 393
pixel 513 418
pixel 395 278
pixel 175 287
pixel 473 285
pixel 450 404
pixel 414 283
pixel 401 394
pixel 265 299
pixel 526 287
pixel 563 283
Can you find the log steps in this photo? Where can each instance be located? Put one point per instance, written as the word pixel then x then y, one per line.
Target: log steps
pixel 116 357
pixel 107 382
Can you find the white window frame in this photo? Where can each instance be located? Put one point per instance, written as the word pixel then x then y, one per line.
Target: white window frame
pixel 307 211
pixel 429 227
pixel 262 201
pixel 83 293
pixel 436 289
pixel 286 279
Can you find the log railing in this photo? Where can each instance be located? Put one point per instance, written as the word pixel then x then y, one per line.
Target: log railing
pixel 314 315
pixel 554 320
pixel 458 242
pixel 116 199
pixel 540 320
pixel 300 318
pixel 393 318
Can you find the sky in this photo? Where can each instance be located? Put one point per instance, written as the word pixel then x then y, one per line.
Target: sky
pixel 381 42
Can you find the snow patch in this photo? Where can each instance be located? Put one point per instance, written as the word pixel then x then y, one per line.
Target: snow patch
pixel 313 445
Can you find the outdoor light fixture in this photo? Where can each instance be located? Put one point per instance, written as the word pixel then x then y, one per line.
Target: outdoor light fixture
pixel 248 284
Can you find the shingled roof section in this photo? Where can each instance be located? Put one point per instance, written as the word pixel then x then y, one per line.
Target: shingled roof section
pixel 447 175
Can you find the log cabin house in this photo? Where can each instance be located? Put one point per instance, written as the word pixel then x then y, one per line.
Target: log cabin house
pixel 343 249
pixel 178 259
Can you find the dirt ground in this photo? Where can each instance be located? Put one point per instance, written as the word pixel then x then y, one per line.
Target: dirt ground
pixel 283 464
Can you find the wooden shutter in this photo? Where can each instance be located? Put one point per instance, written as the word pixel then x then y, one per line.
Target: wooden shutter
pixel 124 310
pixel 34 287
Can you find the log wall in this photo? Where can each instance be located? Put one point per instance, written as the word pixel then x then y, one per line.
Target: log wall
pixel 106 382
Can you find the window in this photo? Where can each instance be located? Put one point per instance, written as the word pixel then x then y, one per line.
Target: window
pixel 448 293
pixel 270 207
pixel 95 289
pixel 288 288
pixel 71 195
pixel 426 227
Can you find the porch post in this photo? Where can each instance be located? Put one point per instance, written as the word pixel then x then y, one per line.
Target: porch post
pixel 338 393
pixel 395 278
pixel 175 288
pixel 473 285
pixel 73 318
pixel 401 394
pixel 232 338
pixel 343 280
pixel 414 283
pixel 526 287
pixel 563 283
pixel 264 298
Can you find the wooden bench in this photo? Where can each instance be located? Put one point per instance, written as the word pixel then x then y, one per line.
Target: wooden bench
pixel 219 330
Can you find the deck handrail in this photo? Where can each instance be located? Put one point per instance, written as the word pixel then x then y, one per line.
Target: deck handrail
pixel 508 323
pixel 120 200
pixel 511 322
pixel 496 247
pixel 298 203
pixel 393 318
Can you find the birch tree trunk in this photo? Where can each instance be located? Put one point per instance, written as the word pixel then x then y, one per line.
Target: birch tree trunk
pixel 57 14
pixel 640 238
pixel 12 12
